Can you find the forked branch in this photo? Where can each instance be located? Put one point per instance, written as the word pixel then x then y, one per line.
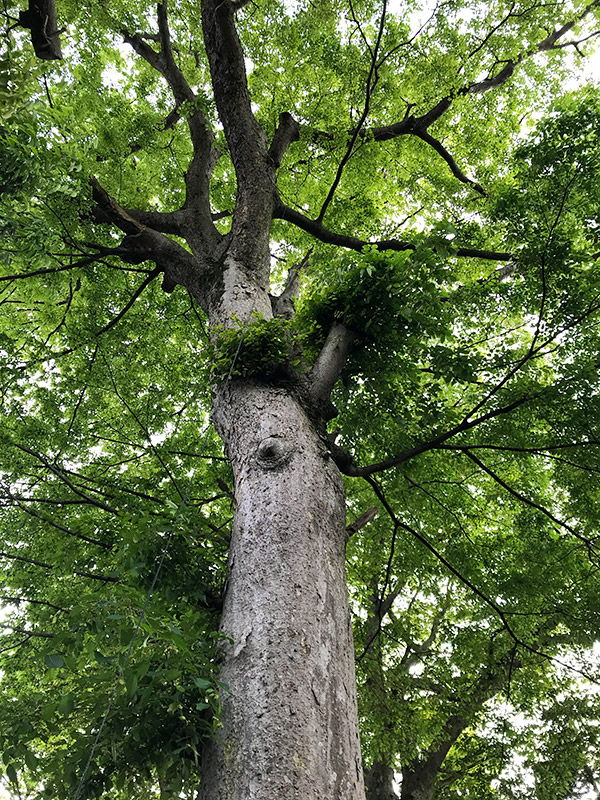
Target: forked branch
pixel 142 243
pixel 163 61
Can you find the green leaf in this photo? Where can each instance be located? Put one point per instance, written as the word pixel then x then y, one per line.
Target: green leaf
pixel 66 705
pixel 11 774
pixel 54 661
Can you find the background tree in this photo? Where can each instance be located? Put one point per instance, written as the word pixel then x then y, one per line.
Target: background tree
pixel 371 265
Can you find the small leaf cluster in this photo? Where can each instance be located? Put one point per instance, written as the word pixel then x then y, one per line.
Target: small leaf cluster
pixel 259 349
pixel 390 299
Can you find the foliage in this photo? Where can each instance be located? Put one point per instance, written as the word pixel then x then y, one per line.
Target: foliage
pixel 260 348
pixel 475 589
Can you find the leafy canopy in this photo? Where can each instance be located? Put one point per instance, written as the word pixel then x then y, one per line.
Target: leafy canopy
pixel 463 256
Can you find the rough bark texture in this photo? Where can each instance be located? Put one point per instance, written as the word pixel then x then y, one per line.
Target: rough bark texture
pixel 289 715
pixel 290 724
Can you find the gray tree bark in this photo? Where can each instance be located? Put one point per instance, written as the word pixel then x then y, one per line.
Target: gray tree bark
pixel 290 722
pixel 289 713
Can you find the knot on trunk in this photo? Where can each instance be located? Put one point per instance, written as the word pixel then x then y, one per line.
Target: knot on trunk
pixel 273 453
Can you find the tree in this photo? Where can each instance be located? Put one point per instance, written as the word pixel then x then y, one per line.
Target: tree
pixel 368 270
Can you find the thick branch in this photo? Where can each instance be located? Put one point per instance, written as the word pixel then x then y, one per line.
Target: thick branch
pixel 329 364
pixel 317 230
pixel 170 222
pixel 40 18
pixel 113 212
pixel 379 782
pixel 288 131
pixel 361 521
pixel 246 139
pixel 255 171
pixel 283 305
pixel 421 774
pixel 142 243
pixel 162 61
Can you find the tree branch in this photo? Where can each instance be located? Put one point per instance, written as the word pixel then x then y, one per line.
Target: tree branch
pixel 255 171
pixel 93 576
pixel 283 305
pixel 142 243
pixel 400 524
pixel 361 521
pixel 47 271
pixel 145 431
pixel 170 222
pixel 61 476
pixel 14 646
pixel 470 585
pixel 288 131
pixel 523 499
pixel 456 171
pixel 163 61
pixel 17 600
pixel 40 18
pixel 317 230
pixel 132 300
pixel 246 139
pixel 371 83
pixel 432 444
pixel 417 125
pixel 27 633
pixel 198 173
pixel 32 513
pixel 33 561
pixel 327 368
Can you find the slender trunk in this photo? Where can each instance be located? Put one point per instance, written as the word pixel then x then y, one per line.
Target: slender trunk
pixel 290 722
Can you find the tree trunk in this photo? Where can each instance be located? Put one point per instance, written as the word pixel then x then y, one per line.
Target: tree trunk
pixel 379 782
pixel 290 722
pixel 418 784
